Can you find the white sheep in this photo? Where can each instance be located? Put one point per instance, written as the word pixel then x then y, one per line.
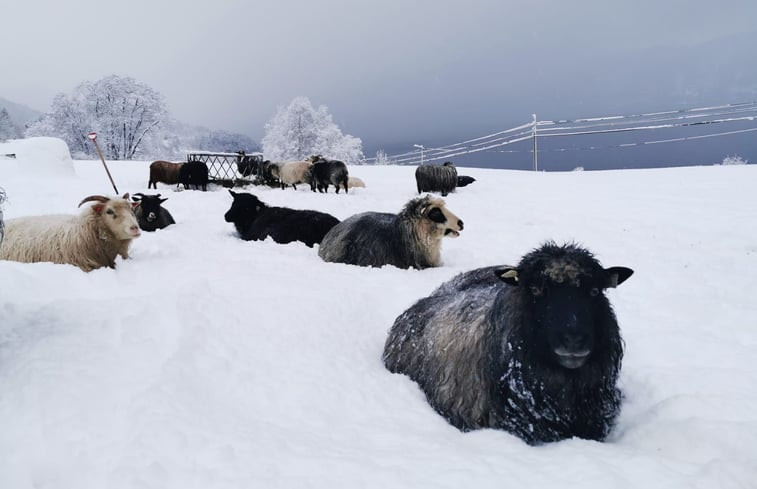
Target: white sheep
pixel 353 182
pixel 293 172
pixel 90 240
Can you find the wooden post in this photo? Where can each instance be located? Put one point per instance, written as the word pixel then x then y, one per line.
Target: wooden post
pixel 93 137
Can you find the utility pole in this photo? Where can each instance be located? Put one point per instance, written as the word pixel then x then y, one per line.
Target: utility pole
pixel 421 148
pixel 533 132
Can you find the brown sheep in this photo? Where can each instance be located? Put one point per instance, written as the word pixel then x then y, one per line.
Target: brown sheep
pixel 164 172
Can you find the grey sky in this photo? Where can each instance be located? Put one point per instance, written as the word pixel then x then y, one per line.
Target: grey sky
pixel 388 70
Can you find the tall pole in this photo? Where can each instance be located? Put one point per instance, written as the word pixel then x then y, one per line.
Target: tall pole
pixel 93 137
pixel 421 147
pixel 533 131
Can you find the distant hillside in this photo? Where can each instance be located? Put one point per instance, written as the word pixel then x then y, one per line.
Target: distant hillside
pixel 20 114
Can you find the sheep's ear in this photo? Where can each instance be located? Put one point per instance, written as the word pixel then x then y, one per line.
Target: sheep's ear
pixel 508 275
pixel 617 275
pixel 125 196
pixel 163 200
pixel 233 194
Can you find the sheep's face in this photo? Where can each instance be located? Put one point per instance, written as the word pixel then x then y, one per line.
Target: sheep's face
pixel 566 306
pixel 150 207
pixel 118 216
pixel 244 208
pixel 443 222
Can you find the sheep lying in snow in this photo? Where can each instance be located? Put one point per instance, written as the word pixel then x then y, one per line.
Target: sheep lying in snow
pixel 534 349
pixel 412 238
pixel 293 172
pixel 433 178
pixel 151 215
pixel 353 182
pixel 163 172
pixel 254 220
pixel 90 240
pixel 325 172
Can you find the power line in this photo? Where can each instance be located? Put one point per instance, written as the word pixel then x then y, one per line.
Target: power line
pixel 700 116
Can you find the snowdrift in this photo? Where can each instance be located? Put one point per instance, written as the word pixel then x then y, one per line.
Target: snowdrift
pixel 207 361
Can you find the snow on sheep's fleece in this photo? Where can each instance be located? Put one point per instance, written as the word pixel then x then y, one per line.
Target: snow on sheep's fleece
pixel 205 361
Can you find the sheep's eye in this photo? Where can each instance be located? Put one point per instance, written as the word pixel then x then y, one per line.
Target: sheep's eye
pixel 110 211
pixel 536 291
pixel 594 292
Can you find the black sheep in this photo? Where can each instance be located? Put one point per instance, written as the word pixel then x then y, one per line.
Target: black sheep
pixel 534 349
pixel 249 164
pixel 325 172
pixel 254 220
pixel 151 215
pixel 463 180
pixel 194 173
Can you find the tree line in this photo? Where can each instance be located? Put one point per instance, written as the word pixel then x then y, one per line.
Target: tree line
pixel 133 122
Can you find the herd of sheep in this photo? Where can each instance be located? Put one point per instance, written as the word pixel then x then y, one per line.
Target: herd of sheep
pixel 533 349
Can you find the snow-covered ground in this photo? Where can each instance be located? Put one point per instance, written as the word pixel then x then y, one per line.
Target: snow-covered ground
pixel 210 362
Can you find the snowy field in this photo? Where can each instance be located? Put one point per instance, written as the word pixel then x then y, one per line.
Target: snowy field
pixel 205 361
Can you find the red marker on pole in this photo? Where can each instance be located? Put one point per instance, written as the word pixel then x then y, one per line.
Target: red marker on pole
pixel 93 136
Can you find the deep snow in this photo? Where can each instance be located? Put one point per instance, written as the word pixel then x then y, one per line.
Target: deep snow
pixel 210 362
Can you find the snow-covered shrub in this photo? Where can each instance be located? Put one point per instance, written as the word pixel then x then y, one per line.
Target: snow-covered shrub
pixel 734 160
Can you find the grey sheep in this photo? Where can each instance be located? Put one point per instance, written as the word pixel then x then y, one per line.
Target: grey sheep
pixel 411 238
pixel 534 350
pixel 434 178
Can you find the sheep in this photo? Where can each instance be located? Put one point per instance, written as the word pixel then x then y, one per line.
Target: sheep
pixel 534 350
pixel 164 172
pixel 194 173
pixel 293 172
pixel 463 180
pixel 255 221
pixel 90 240
pixel 325 172
pixel 411 238
pixel 249 164
pixel 353 182
pixel 433 178
pixel 269 173
pixel 151 215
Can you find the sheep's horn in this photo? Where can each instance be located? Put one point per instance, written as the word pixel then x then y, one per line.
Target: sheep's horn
pixel 138 196
pixel 98 198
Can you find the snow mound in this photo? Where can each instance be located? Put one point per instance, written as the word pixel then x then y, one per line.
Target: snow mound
pixel 38 155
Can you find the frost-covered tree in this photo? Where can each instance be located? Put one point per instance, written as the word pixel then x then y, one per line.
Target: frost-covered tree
pixel 381 158
pixel 125 114
pixel 299 130
pixel 8 129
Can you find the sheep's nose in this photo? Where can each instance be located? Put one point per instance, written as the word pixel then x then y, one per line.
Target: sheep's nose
pixel 460 224
pixel 574 340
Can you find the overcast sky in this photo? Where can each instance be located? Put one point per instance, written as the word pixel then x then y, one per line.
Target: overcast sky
pixel 388 70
